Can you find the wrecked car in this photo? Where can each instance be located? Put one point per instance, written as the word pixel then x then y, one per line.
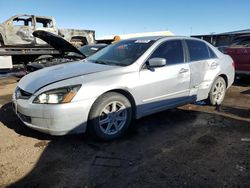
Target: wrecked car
pixel 17 31
pixel 68 52
pixel 124 81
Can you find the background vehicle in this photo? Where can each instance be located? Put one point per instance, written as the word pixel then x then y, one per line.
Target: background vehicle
pixel 18 46
pixel 223 40
pixel 129 79
pixel 91 49
pixel 240 52
pixel 17 31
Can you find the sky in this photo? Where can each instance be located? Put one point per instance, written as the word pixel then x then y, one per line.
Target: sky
pixel 106 17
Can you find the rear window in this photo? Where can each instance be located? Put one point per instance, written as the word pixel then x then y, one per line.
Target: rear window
pixel 211 53
pixel 197 50
pixel 43 22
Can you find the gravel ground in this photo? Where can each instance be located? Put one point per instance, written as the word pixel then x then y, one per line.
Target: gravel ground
pixel 191 146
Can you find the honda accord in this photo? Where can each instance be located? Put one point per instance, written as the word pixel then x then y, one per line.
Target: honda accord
pixel 124 81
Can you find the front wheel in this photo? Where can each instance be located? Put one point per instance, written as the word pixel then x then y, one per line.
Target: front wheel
pixel 110 116
pixel 217 92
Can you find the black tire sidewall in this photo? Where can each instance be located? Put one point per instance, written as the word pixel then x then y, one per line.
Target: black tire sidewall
pixel 100 103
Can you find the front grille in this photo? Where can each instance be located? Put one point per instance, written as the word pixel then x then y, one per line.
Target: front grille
pixel 21 94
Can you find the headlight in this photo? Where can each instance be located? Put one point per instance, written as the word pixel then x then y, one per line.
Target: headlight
pixel 57 96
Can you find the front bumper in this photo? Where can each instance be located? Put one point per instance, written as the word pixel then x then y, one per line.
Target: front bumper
pixel 54 119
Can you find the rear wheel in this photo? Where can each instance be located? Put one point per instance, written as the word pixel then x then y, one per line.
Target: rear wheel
pixel 217 92
pixel 110 116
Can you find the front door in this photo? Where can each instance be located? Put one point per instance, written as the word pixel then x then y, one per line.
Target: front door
pixel 19 30
pixel 168 86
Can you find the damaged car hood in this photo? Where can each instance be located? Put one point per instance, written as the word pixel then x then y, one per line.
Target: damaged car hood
pixel 36 80
pixel 57 42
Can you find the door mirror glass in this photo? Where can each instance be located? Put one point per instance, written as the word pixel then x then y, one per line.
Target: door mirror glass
pixel 157 62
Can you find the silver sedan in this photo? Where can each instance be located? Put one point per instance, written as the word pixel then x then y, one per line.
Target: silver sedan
pixel 124 81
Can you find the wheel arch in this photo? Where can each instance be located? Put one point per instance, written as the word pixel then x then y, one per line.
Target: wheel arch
pixel 129 96
pixel 126 94
pixel 224 77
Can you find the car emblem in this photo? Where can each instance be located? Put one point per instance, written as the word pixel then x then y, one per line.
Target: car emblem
pixel 245 51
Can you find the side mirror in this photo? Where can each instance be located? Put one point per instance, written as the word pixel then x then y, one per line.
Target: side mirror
pixel 157 62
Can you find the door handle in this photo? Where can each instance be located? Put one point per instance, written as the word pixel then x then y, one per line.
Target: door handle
pixel 183 70
pixel 214 65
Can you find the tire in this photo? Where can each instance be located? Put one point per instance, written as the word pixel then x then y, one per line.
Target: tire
pixel 217 92
pixel 110 116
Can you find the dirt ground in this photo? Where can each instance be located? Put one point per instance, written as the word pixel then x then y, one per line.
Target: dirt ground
pixel 191 146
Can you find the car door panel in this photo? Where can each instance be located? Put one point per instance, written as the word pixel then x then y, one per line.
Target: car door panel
pixel 204 66
pixel 168 86
pixel 17 33
pixel 163 87
pixel 45 24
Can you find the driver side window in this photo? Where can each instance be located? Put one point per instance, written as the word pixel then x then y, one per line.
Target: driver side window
pixel 171 50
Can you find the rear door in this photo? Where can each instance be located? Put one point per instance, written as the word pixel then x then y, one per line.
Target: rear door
pixel 168 86
pixel 203 65
pixel 45 24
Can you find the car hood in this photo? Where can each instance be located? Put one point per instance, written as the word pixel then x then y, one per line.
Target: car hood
pixel 57 42
pixel 41 78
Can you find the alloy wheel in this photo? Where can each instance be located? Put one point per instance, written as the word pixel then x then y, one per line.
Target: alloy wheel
pixel 112 118
pixel 218 92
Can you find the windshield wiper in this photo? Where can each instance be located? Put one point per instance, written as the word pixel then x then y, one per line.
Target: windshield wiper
pixel 100 62
pixel 112 62
pixel 107 62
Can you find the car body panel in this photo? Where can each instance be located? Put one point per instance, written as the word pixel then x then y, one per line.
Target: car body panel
pixel 56 42
pixel 241 57
pixel 33 81
pixel 240 52
pixel 165 84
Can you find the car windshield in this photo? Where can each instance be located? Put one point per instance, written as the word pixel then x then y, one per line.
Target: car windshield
pixel 90 49
pixel 244 42
pixel 122 53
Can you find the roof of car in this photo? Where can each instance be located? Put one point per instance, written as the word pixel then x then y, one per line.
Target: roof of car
pixel 160 37
pixel 98 44
pixel 94 45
